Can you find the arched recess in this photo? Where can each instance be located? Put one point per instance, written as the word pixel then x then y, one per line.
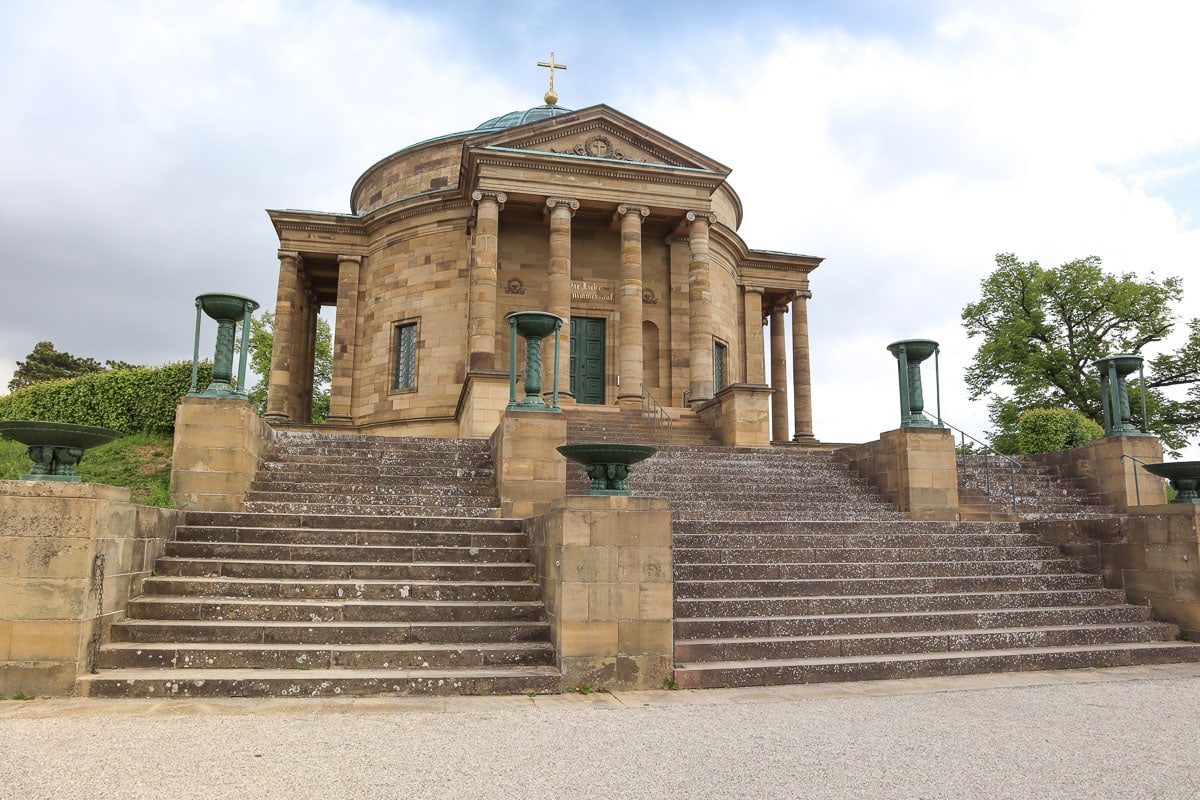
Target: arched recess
pixel 650 373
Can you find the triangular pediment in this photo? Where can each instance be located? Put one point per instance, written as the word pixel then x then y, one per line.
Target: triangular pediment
pixel 600 132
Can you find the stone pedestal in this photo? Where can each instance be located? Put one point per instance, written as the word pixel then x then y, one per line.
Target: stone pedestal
pixel 530 472
pixel 71 556
pixel 481 404
pixel 738 415
pixel 915 468
pixel 605 567
pixel 217 446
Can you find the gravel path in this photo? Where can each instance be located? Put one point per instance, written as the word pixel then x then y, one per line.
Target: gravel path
pixel 1117 733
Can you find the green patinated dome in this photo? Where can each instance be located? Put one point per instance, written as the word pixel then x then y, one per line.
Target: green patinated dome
pixel 515 118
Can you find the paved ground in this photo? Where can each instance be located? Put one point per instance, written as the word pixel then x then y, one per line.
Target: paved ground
pixel 1111 733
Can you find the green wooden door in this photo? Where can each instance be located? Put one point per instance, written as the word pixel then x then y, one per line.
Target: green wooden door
pixel 587 360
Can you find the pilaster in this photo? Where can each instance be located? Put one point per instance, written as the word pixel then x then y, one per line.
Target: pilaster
pixel 752 309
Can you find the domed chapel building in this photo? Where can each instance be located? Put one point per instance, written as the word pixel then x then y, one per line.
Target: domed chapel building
pixel 627 234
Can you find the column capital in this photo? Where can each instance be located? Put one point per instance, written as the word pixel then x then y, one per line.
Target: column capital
pixel 570 204
pixel 484 194
pixel 349 259
pixel 707 216
pixel 625 209
pixel 782 308
pixel 802 294
pixel 288 255
pixel 750 289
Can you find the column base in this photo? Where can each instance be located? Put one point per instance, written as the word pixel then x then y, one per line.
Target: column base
pixel 630 401
pixel 339 421
pixel 806 438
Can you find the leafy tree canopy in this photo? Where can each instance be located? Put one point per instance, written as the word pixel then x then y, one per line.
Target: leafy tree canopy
pixel 47 364
pixel 1041 329
pixel 262 339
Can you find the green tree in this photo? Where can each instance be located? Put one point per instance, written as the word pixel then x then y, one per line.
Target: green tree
pixel 1041 329
pixel 262 339
pixel 47 364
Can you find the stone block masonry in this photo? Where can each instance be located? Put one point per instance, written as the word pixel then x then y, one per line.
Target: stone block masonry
pixel 605 566
pixel 914 468
pixel 218 443
pixel 71 556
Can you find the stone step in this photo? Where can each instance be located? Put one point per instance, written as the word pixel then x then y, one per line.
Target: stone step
pixel 911 621
pixel 328 633
pixel 300 610
pixel 467 504
pixel 318 682
pixel 922 665
pixel 870 644
pixel 363 509
pixel 195 655
pixel 325 589
pixel 806 526
pixel 281 470
pixel 684 513
pixel 780 541
pixel 378 486
pixel 700 573
pixel 850 587
pixel 480 539
pixel 337 552
pixel 866 604
pixel 819 555
pixel 345 570
pixel 362 522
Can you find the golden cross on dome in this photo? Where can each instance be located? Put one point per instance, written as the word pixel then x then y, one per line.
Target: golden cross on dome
pixel 551 96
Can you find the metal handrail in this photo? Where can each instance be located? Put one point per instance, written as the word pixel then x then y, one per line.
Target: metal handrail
pixel 660 420
pixel 1137 490
pixel 988 452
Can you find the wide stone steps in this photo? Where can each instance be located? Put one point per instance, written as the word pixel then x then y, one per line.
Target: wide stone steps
pixel 343 552
pixel 893 643
pixel 930 664
pixel 345 570
pixel 883 603
pixel 689 575
pixel 631 426
pixel 361 566
pixel 331 610
pixel 862 555
pixel 135 655
pixel 166 631
pixel 318 682
pixel 333 589
pixel 364 508
pixel 884 622
pixel 813 587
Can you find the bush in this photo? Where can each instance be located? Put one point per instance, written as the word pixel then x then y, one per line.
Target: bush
pixel 137 400
pixel 1045 430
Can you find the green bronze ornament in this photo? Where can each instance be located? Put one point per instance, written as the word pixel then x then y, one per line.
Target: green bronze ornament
pixel 1114 395
pixel 607 464
pixel 532 326
pixel 1184 477
pixel 55 448
pixel 228 310
pixel 909 354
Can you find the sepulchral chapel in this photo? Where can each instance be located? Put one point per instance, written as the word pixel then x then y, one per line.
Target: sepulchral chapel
pixel 627 234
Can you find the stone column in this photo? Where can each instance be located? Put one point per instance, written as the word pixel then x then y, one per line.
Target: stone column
pixel 558 292
pixel 281 381
pixel 305 340
pixel 802 394
pixel 779 400
pixel 756 370
pixel 700 335
pixel 481 323
pixel 342 380
pixel 629 350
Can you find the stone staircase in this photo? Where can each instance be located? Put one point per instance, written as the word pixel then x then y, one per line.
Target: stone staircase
pixel 788 570
pixel 362 566
pixel 985 492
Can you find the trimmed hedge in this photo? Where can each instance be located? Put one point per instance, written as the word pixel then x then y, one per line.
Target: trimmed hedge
pixel 141 399
pixel 1046 430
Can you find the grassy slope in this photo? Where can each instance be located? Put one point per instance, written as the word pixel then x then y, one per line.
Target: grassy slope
pixel 140 461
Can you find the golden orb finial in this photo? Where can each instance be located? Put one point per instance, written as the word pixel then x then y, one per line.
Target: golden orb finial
pixel 551 96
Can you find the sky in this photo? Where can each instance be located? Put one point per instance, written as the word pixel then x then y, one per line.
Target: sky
pixel 907 143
